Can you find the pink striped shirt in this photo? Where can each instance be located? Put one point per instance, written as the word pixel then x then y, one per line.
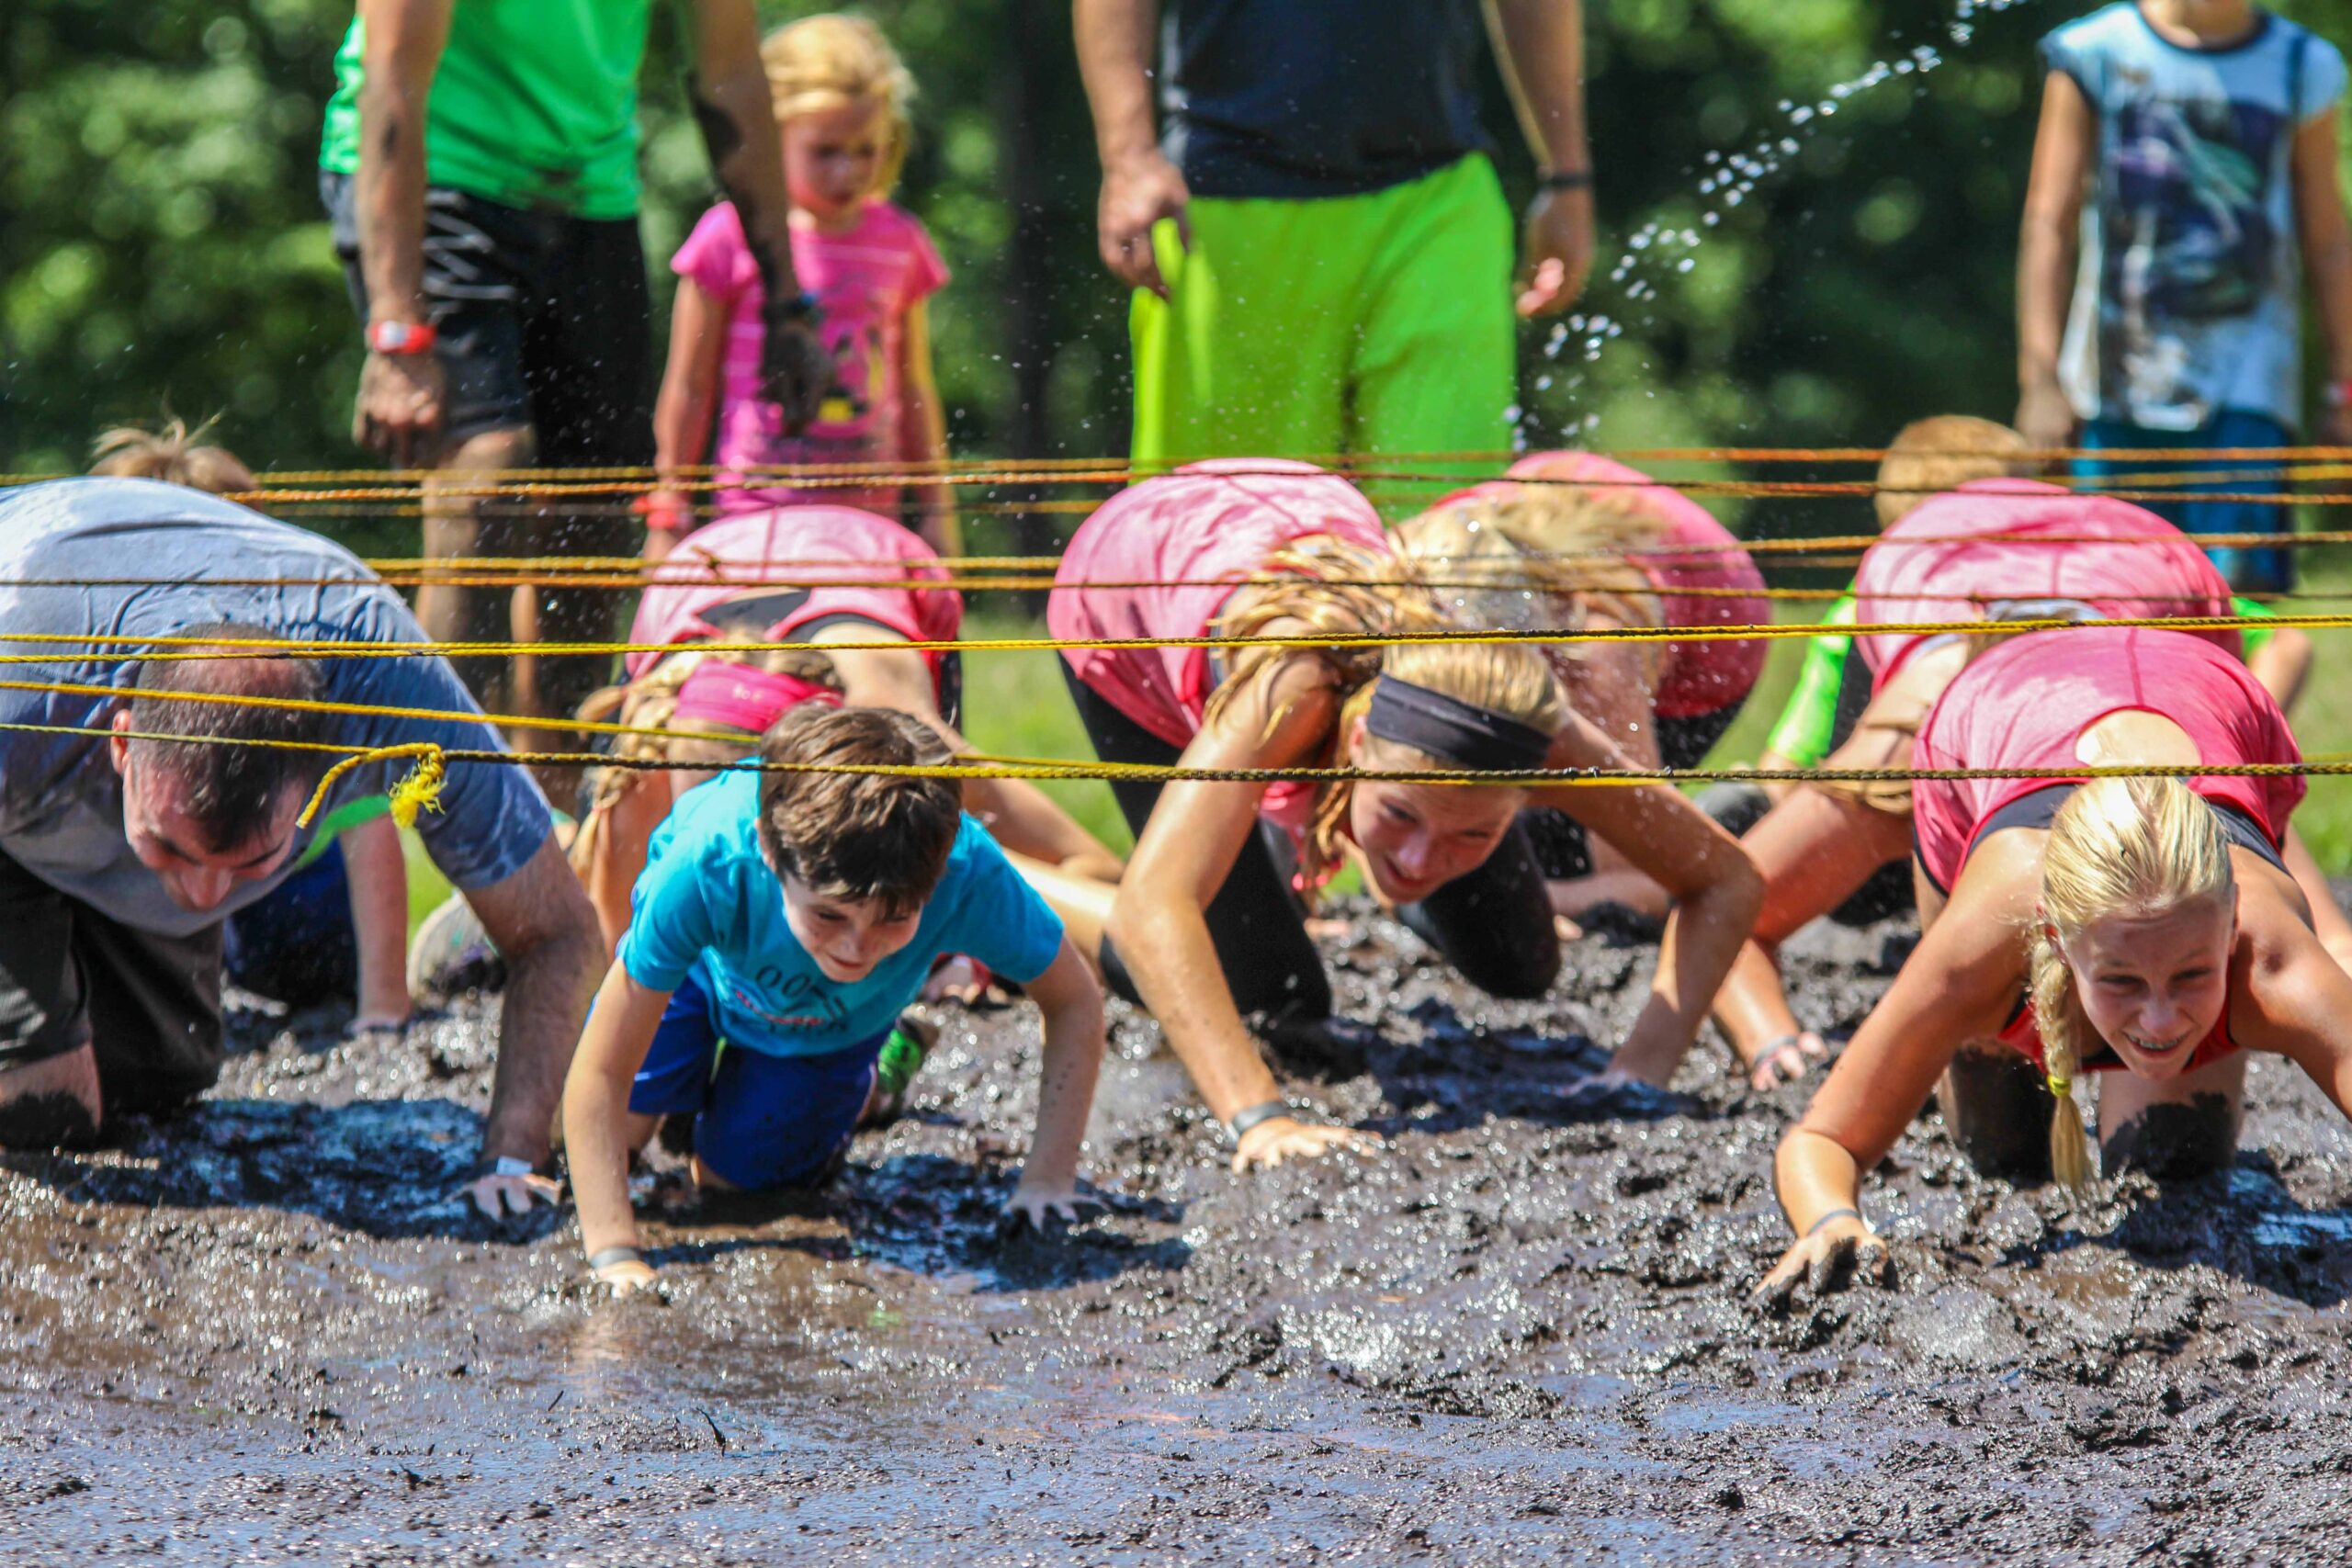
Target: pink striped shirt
pixel 867 280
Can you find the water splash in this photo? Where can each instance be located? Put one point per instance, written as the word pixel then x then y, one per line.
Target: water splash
pixel 1729 179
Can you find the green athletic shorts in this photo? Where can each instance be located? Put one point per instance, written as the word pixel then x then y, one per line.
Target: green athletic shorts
pixel 1364 324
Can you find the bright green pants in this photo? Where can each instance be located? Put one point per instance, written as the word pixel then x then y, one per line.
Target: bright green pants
pixel 1373 324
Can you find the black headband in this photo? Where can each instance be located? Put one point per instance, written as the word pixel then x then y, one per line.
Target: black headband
pixel 1452 730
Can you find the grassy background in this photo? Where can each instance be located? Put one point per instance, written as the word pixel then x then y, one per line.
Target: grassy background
pixel 1015 704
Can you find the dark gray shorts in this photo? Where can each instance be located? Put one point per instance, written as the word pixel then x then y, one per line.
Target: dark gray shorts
pixel 69 977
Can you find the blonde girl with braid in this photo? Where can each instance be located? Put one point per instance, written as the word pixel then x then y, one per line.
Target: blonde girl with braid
pixel 2139 931
pixel 1208 925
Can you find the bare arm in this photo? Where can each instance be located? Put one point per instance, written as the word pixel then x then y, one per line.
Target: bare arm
pixel 732 105
pixel 1140 186
pixel 541 922
pixel 922 432
pixel 400 406
pixel 2281 665
pixel 377 879
pixel 1958 985
pixel 595 1110
pixel 1539 44
pixel 683 413
pixel 1715 888
pixel 1070 999
pixel 2326 241
pixel 2063 146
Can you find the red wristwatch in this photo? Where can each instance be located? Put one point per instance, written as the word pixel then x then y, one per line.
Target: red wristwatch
pixel 401 337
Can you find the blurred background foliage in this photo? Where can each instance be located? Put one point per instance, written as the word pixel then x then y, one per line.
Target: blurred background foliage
pixel 163 248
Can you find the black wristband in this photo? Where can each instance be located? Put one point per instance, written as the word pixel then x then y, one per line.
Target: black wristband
pixel 1249 1116
pixel 1832 1215
pixel 1567 179
pixel 612 1255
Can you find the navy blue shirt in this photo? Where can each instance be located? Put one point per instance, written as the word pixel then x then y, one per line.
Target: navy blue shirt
pixel 1301 98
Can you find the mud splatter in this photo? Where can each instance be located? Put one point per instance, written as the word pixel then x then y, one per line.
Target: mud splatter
pixel 265 1330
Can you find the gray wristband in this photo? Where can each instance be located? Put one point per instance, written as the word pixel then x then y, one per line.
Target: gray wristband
pixel 1249 1116
pixel 1832 1215
pixel 612 1255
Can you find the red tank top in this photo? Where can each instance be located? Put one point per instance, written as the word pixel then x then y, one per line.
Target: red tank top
pixel 1982 542
pixel 720 562
pixel 1699 677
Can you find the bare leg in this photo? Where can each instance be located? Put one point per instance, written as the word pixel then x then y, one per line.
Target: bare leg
pixel 458 525
pixel 1084 903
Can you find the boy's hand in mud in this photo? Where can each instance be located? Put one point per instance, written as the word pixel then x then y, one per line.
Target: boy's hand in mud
pixel 503 1189
pixel 1842 1252
pixel 1043 1208
pixel 1787 1059
pixel 1279 1138
pixel 626 1276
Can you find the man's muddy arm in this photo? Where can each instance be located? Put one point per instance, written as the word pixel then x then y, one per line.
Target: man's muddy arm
pixel 542 924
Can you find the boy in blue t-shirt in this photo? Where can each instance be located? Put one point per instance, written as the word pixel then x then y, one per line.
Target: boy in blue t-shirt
pixel 2203 134
pixel 788 917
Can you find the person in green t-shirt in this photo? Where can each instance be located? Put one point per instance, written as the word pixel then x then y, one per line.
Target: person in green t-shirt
pixel 479 167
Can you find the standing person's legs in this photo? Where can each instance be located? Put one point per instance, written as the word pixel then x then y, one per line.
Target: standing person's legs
pixel 1255 921
pixel 2261 569
pixel 588 363
pixel 1247 356
pixel 1436 362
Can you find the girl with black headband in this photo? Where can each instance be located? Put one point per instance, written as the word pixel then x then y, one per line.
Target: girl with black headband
pixel 1209 924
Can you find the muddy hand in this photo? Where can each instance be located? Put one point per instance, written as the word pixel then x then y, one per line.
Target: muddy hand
pixel 1279 1138
pixel 1787 1059
pixel 1844 1251
pixel 1043 1208
pixel 504 1193
pixel 625 1276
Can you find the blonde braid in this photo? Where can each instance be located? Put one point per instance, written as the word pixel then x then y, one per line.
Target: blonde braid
pixel 2052 986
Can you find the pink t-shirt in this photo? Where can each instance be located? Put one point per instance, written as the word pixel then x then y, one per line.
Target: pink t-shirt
pixel 867 280
pixel 1698 677
pixel 732 556
pixel 2026 702
pixel 1203 526
pixel 1982 539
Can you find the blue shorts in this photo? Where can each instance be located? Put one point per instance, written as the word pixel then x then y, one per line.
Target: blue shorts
pixel 760 1121
pixel 2250 570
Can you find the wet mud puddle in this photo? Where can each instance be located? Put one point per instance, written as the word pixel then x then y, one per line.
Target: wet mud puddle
pixel 264 1332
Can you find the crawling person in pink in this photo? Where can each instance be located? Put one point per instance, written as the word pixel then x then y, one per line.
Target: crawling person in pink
pixel 1576 541
pixel 868 267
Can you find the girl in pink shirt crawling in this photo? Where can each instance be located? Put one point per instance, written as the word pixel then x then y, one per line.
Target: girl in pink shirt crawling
pixel 840 100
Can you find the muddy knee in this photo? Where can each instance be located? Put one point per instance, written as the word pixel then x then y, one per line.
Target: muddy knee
pixel 2175 1141
pixel 1997 1110
pixel 50 1104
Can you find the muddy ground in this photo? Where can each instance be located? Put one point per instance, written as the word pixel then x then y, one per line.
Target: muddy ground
pixel 263 1333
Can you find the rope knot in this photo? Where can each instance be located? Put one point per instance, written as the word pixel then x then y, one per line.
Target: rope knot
pixel 421 791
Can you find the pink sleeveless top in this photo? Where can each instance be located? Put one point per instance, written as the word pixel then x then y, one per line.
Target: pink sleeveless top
pixel 830 543
pixel 2026 702
pixel 1193 532
pixel 1699 677
pixel 2131 563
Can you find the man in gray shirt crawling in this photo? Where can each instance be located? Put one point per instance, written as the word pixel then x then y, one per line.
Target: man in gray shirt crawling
pixel 121 856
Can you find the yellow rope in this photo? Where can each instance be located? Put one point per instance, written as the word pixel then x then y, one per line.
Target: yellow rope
pixel 420 790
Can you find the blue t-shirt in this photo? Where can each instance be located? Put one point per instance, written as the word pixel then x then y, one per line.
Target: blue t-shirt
pixel 710 905
pixel 2189 300
pixel 178 556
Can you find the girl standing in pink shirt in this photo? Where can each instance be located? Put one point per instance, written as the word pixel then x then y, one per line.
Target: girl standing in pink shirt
pixel 841 102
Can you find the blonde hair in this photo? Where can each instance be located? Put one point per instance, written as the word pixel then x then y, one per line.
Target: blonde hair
pixel 1512 557
pixel 827 62
pixel 1929 457
pixel 172 455
pixel 2118 846
pixel 1337 588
